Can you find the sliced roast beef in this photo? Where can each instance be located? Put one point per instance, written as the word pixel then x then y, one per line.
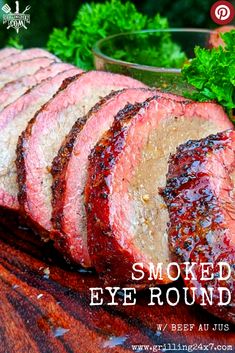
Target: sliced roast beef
pixel 126 216
pixel 69 219
pixel 14 89
pixel 26 55
pixel 200 197
pixel 13 120
pixel 7 52
pixel 41 141
pixel 23 68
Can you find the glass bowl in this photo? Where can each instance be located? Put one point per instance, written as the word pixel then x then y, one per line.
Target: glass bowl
pixel 110 51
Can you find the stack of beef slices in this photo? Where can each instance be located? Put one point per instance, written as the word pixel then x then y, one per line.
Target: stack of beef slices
pixel 84 158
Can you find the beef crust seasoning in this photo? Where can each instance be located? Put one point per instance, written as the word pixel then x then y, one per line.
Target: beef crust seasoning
pixel 200 199
pixel 126 216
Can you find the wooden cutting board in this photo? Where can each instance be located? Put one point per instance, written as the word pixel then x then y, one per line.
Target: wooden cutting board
pixel 45 307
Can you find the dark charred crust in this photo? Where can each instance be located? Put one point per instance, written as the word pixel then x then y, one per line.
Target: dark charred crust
pixel 103 101
pixel 20 159
pixel 68 81
pixel 58 172
pixel 22 195
pixel 102 159
pixel 126 113
pixel 58 185
pixel 131 109
pixel 21 179
pixel 107 252
pixel 20 166
pixel 60 162
pixel 198 230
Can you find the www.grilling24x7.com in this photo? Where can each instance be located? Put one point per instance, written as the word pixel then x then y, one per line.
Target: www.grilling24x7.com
pixel 173 347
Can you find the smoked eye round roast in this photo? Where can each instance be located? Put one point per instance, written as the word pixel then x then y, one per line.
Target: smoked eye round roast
pixel 40 142
pixel 13 120
pixel 69 216
pixel 22 68
pixel 5 52
pixel 201 203
pixel 21 63
pixel 24 55
pixel 16 88
pixel 126 215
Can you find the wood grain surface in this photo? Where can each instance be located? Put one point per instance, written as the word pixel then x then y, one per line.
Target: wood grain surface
pixel 45 307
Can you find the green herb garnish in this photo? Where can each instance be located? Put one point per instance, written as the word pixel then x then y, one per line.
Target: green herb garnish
pixel 96 21
pixel 14 42
pixel 212 73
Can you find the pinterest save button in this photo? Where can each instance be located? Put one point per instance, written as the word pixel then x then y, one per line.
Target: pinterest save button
pixel 222 12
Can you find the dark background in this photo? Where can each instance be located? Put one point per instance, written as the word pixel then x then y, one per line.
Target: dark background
pixel 45 15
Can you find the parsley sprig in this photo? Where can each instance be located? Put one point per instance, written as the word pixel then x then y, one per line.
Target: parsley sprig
pixel 212 73
pixel 96 21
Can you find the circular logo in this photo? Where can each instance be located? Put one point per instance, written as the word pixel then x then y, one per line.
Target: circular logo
pixel 222 12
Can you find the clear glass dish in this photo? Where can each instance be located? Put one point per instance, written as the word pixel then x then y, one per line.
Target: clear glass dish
pixel 167 78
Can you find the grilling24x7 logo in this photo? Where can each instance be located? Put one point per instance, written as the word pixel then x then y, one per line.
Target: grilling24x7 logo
pixel 16 19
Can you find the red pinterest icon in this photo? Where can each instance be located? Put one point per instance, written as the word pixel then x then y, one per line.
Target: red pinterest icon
pixel 222 12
